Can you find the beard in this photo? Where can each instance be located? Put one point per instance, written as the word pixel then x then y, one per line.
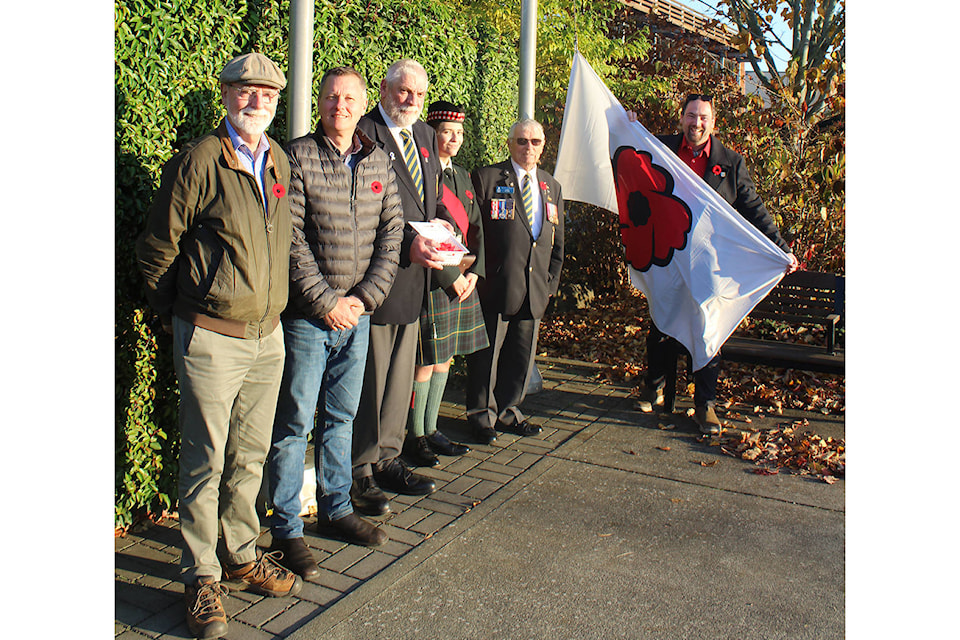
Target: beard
pixel 251 121
pixel 402 116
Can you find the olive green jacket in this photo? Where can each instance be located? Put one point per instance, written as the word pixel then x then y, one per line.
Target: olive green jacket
pixel 210 253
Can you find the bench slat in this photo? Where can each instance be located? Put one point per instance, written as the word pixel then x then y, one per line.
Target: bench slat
pixel 779 354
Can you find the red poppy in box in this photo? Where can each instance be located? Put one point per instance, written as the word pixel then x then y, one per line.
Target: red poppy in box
pixel 653 222
pixel 279 191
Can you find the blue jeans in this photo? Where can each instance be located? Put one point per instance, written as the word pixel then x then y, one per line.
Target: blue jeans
pixel 323 368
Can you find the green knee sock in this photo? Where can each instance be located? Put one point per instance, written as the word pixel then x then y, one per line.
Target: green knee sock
pixel 438 382
pixel 416 415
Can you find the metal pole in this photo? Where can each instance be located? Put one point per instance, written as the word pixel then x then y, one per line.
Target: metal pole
pixel 528 56
pixel 300 72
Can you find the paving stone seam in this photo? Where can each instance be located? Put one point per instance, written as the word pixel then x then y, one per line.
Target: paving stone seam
pixel 337 612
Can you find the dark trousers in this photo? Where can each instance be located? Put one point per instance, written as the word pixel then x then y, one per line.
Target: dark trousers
pixel 497 376
pixel 381 421
pixel 662 350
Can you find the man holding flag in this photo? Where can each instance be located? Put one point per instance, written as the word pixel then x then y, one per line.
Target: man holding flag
pixel 724 170
pixel 701 263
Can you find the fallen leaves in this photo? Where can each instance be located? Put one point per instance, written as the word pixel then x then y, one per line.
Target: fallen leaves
pixel 612 332
pixel 786 447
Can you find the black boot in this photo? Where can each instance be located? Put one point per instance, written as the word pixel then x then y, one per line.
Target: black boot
pixel 417 452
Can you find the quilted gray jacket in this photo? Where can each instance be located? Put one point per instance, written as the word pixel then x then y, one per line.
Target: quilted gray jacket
pixel 347 226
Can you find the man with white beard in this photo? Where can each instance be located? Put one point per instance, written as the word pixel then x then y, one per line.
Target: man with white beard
pixel 215 258
pixel 378 434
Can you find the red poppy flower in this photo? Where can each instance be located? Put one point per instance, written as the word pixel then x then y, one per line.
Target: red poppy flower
pixel 426 154
pixel 543 186
pixel 653 222
pixel 468 193
pixel 376 187
pixel 279 191
pixel 717 171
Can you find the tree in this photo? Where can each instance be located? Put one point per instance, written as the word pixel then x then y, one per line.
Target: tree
pixel 816 48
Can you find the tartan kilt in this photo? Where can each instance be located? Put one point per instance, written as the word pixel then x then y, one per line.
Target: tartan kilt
pixel 449 328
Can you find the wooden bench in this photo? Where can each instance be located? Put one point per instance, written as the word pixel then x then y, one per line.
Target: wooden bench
pixel 804 298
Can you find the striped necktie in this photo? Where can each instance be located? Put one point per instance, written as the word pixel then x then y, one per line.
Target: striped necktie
pixel 527 195
pixel 410 158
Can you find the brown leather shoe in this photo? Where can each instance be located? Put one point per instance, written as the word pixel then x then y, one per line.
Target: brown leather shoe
pixel 706 418
pixel 265 576
pixel 353 529
pixel 205 615
pixel 296 556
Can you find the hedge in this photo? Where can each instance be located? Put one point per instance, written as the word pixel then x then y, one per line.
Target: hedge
pixel 168 55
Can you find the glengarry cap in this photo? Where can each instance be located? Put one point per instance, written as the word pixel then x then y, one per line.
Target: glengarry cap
pixel 253 68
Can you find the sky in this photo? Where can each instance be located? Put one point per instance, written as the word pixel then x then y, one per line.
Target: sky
pixel 709 8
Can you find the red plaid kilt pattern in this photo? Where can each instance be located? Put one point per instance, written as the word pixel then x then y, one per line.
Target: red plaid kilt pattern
pixel 449 328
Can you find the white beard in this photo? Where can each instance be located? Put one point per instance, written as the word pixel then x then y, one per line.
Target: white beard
pixel 252 122
pixel 401 116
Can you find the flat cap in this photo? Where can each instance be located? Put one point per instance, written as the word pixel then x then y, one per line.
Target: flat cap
pixel 253 68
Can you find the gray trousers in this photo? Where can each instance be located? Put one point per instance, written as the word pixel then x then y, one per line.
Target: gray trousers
pixel 228 396
pixel 381 421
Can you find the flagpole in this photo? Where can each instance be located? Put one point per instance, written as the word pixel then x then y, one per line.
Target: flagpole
pixel 528 57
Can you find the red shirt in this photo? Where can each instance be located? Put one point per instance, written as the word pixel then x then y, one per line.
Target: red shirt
pixel 698 163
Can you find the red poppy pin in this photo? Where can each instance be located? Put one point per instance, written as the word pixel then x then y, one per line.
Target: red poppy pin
pixel 468 193
pixel 279 191
pixel 717 171
pixel 426 154
pixel 654 222
pixel 376 187
pixel 543 186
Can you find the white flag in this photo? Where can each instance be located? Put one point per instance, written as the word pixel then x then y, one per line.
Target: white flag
pixel 701 266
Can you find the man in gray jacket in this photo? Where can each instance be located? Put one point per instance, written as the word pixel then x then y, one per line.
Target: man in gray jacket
pixel 347 230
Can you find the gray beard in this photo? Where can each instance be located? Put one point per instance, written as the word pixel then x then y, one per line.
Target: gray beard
pixel 400 118
pixel 249 124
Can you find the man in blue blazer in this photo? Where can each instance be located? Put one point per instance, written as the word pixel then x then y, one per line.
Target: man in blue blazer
pixel 522 212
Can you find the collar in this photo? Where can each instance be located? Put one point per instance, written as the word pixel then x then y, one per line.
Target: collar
pixel 520 171
pixel 239 143
pixel 355 147
pixel 393 126
pixel 446 163
pixel 705 151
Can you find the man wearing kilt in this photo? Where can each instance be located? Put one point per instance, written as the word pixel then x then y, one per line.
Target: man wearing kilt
pixel 451 322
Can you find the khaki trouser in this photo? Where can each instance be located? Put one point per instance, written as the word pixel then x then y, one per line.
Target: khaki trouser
pixel 228 396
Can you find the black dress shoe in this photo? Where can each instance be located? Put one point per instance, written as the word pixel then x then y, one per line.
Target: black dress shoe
pixel 296 557
pixel 353 529
pixel 442 445
pixel 417 452
pixel 484 435
pixel 392 475
pixel 522 428
pixel 367 498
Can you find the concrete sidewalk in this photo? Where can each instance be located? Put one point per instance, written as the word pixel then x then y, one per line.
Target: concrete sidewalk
pixel 605 525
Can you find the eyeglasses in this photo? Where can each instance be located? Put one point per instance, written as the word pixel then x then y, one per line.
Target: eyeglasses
pixel 536 142
pixel 269 96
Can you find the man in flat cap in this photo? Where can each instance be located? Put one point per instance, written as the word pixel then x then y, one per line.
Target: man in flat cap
pixel 215 257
